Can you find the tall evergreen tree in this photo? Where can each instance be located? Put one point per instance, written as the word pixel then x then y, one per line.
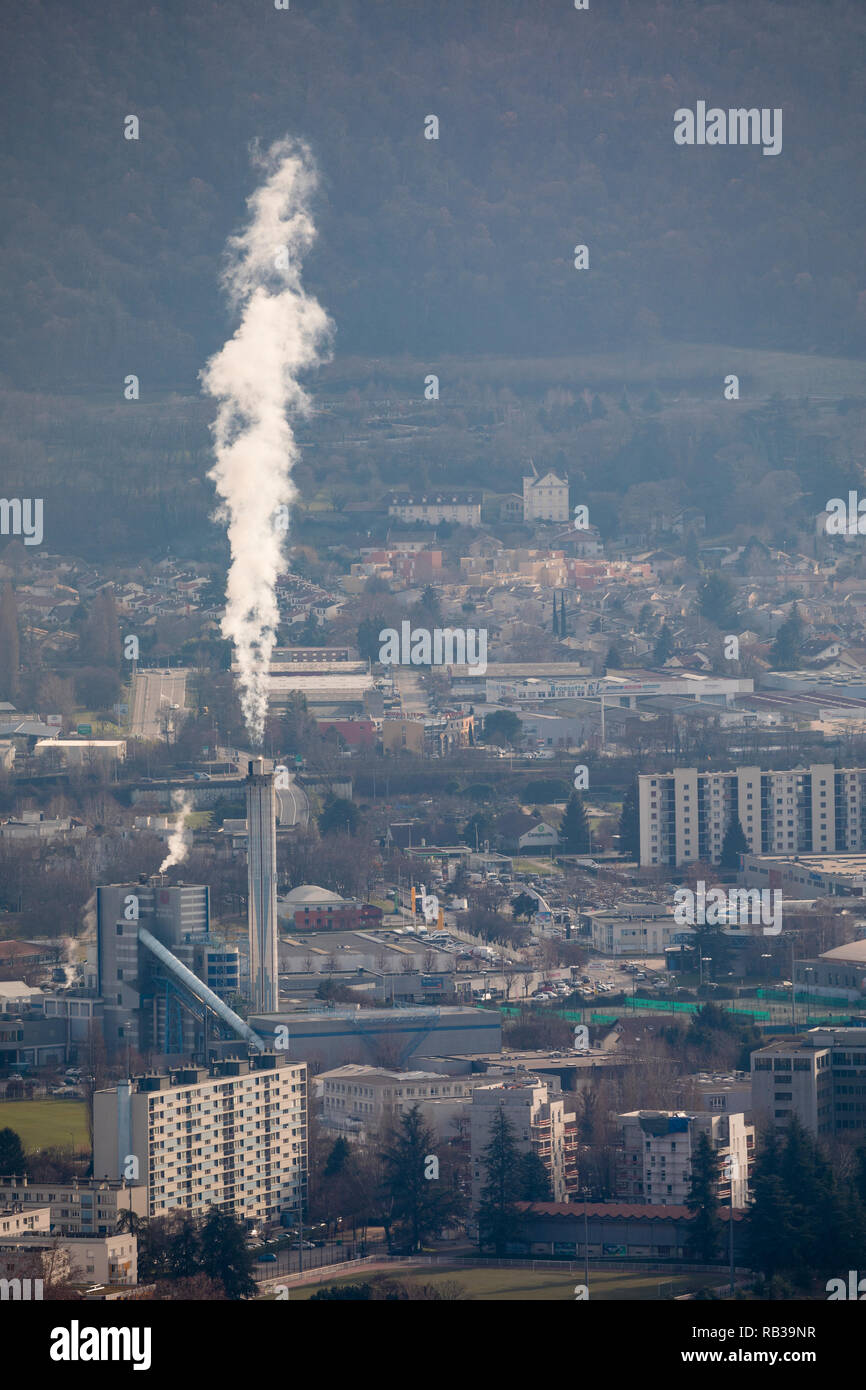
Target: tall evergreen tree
pixel 184 1258
pixel 225 1255
pixel 534 1179
pixel 420 1205
pixel 337 1158
pixel 769 1232
pixel 498 1218
pixel 10 647
pixel 664 646
pixel 733 845
pixel 629 823
pixel 574 827
pixel 715 599
pixel 12 1159
pixel 100 637
pixel 706 1228
pixel 646 619
pixel 367 638
pixel 785 651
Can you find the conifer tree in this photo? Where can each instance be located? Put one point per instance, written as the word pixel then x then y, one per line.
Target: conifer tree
pixel 706 1228
pixel 498 1217
pixel 733 845
pixel 629 824
pixel 420 1205
pixel 574 827
pixel 534 1179
pixel 10 654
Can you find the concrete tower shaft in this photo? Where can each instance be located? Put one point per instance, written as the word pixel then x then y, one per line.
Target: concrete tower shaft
pixel 262 885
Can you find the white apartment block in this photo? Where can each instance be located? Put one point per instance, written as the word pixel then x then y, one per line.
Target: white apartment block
pixel 545 498
pixel 684 814
pixel 636 930
pixel 654 1159
pixel 79 1259
pixel 819 1077
pixel 82 1207
pixel 540 1124
pixel 360 1101
pixel 15 1222
pixel 233 1135
pixel 31 1247
pixel 462 508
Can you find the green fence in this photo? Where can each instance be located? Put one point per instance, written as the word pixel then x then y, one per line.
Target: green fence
pixel 670 1006
pixel 804 996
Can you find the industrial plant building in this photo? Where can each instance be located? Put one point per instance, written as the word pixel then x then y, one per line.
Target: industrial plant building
pixel 164 979
pixel 159 970
pixel 330 1037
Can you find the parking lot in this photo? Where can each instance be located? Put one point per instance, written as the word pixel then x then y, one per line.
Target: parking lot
pixel 623 977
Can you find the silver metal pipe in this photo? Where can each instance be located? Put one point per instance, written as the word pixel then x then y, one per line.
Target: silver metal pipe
pixel 199 989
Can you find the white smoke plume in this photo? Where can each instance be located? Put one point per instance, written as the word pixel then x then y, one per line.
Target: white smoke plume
pixel 178 840
pixel 282 331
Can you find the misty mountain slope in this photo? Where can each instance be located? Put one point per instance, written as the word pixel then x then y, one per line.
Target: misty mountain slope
pixel 556 129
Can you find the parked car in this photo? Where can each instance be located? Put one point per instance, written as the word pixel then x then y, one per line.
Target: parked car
pixel 267 1258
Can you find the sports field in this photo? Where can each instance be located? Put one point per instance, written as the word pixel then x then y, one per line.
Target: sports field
pixel 47 1124
pixel 489 1284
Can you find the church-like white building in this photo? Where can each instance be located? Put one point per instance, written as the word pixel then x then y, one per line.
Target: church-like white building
pixel 545 498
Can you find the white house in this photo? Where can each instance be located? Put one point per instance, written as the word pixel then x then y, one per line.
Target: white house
pixel 545 498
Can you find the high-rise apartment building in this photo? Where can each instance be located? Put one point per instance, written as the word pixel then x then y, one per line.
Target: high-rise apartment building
pixel 819 1077
pixel 684 814
pixel 262 886
pixel 231 1135
pixel 656 1149
pixel 539 1123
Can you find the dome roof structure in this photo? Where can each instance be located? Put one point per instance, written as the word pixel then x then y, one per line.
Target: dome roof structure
pixel 310 895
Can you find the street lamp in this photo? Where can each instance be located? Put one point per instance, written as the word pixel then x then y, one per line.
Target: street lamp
pixel 808 970
pixel 730 1172
pixel 584 1191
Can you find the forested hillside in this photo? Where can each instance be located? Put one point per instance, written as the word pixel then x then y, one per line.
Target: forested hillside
pixel 556 128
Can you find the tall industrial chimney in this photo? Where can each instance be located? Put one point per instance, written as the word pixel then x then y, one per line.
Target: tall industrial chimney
pixel 262 885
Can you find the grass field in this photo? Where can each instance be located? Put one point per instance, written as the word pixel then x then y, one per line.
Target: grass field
pixel 541 867
pixel 47 1124
pixel 495 1285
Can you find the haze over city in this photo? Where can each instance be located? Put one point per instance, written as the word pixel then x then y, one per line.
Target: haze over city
pixel 433 668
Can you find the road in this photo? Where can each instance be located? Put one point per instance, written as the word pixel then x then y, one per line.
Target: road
pixel 288 1262
pixel 412 691
pixel 293 808
pixel 154 693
